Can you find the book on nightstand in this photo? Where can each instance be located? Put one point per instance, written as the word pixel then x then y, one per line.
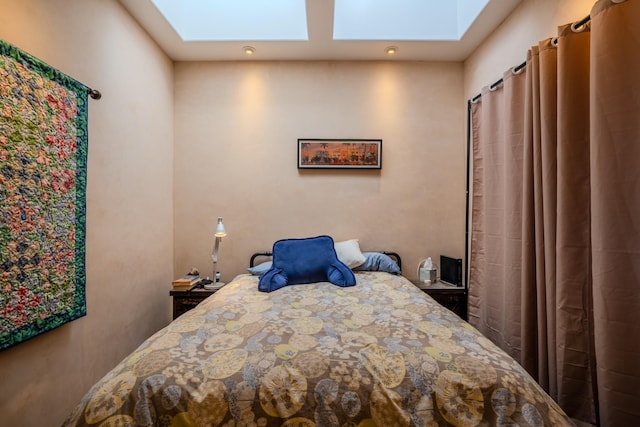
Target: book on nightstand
pixel 186 282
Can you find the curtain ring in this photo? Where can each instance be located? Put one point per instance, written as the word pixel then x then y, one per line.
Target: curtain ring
pixel 554 42
pixel 494 86
pixel 579 28
pixel 617 1
pixel 517 70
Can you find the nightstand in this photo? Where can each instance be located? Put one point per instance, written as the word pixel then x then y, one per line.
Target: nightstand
pixel 184 300
pixel 452 297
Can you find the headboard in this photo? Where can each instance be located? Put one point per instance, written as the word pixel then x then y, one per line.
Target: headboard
pixel 392 255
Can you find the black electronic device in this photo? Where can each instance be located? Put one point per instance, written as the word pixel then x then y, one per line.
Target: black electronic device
pixel 451 270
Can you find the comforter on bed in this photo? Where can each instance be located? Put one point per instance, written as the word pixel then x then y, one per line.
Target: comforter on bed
pixel 381 353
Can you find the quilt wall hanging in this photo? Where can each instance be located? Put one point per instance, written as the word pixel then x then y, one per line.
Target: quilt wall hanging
pixel 43 175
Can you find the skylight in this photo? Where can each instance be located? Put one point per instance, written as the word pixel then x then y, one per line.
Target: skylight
pixel 286 20
pixel 233 20
pixel 404 19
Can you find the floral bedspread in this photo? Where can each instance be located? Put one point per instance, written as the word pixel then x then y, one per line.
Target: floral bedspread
pixel 381 353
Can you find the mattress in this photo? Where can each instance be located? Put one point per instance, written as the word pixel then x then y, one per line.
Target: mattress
pixel 381 353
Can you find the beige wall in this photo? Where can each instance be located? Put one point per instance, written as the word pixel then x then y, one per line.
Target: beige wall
pixel 129 202
pixel 532 21
pixel 237 126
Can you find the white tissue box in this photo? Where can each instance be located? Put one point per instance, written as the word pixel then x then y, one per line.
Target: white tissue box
pixel 428 275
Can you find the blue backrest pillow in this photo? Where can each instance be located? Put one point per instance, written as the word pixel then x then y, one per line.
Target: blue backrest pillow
pixel 308 260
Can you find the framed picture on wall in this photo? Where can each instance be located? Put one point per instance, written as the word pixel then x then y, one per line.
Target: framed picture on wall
pixel 339 154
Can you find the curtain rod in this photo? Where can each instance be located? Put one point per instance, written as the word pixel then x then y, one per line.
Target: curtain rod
pixel 575 27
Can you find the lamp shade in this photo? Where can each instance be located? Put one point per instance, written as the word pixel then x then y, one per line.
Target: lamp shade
pixel 220 231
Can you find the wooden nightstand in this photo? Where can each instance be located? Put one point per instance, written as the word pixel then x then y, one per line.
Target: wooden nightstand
pixel 452 297
pixel 184 300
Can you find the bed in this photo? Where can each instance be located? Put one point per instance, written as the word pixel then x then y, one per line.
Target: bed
pixel 380 353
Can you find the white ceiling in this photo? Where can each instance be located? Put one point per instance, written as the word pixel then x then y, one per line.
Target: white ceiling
pixel 348 43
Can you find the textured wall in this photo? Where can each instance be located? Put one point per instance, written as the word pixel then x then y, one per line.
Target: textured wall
pixel 129 202
pixel 237 126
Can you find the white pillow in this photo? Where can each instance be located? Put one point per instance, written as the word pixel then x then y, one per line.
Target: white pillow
pixel 349 253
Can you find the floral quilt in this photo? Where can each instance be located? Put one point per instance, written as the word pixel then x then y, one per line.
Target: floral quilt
pixel 43 157
pixel 381 353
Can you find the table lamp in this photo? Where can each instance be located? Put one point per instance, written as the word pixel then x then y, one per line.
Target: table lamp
pixel 220 233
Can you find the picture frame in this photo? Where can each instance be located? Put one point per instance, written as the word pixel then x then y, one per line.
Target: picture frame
pixel 339 153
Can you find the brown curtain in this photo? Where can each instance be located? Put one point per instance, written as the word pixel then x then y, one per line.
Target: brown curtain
pixel 555 241
pixel 615 207
pixel 497 202
pixel 574 327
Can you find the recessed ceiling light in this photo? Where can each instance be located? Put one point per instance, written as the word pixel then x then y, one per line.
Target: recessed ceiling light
pixel 391 50
pixel 249 50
